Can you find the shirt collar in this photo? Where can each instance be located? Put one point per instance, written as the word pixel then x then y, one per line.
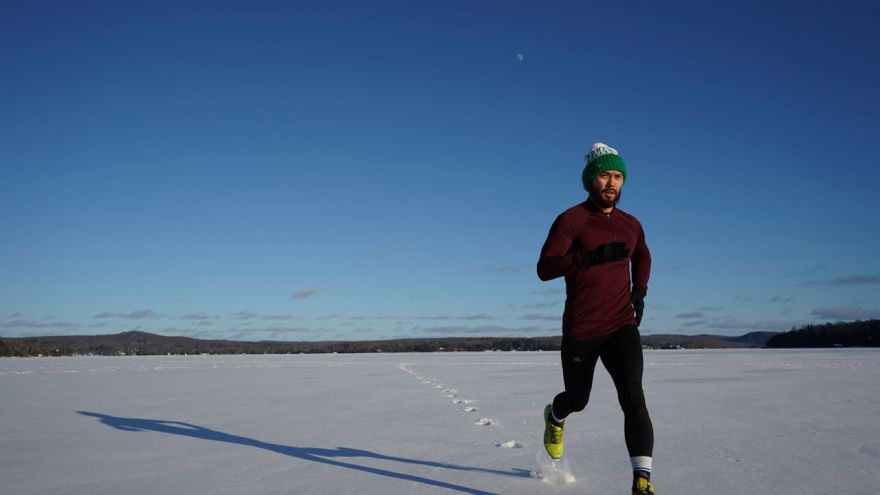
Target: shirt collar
pixel 591 206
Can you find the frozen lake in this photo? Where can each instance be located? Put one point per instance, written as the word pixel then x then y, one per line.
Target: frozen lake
pixel 726 422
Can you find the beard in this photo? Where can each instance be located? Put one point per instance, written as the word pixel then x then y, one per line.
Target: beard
pixel 596 194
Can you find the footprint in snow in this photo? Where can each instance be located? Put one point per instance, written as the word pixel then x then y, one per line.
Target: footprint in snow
pixel 486 422
pixel 510 444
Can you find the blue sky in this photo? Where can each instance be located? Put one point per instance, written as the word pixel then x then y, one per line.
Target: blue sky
pixel 366 170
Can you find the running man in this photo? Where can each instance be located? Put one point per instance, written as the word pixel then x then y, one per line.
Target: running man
pixel 593 245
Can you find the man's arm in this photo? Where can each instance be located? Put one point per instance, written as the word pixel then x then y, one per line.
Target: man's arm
pixel 555 260
pixel 641 262
pixel 641 271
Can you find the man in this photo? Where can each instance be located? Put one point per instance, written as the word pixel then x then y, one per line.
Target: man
pixel 593 245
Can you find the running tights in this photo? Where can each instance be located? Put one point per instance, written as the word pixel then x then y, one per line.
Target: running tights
pixel 621 354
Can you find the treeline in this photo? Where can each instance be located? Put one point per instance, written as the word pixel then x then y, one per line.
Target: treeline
pixel 860 333
pixel 705 341
pixel 143 343
pixel 853 334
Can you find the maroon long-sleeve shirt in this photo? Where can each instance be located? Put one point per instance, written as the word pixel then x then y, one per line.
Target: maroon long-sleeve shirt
pixel 598 299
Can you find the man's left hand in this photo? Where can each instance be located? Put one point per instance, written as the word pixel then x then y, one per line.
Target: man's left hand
pixel 638 302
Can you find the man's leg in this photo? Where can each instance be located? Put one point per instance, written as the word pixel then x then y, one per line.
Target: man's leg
pixel 622 357
pixel 578 363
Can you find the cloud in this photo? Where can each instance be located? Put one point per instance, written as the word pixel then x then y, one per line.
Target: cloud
pixel 278 330
pixel 553 291
pixel 485 330
pixel 540 305
pixel 535 317
pixel 305 293
pixel 279 317
pixel 243 333
pixel 857 280
pixel 808 271
pixel 690 316
pixel 757 300
pixel 244 315
pixel 851 280
pixel 695 323
pixel 481 316
pixel 19 323
pixel 507 269
pixel 846 313
pixel 474 317
pixel 134 315
pixel 198 316
pixel 710 308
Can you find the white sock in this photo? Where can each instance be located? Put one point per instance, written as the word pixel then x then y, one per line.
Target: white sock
pixel 555 419
pixel 641 463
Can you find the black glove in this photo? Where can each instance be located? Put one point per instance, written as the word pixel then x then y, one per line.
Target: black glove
pixel 638 300
pixel 605 253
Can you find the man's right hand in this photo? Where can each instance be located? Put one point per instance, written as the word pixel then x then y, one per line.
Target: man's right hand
pixel 605 253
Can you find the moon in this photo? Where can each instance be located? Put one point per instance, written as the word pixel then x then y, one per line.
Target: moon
pixel 520 57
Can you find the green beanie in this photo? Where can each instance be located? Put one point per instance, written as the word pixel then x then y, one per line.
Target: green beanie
pixel 600 159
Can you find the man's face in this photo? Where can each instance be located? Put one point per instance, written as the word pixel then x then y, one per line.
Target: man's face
pixel 605 188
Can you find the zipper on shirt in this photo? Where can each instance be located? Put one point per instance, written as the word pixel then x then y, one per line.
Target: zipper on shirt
pixel 611 221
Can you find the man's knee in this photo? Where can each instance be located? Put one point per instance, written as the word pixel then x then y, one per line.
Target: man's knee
pixel 577 402
pixel 632 399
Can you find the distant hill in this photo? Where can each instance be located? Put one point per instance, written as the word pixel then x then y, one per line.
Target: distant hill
pixel 143 343
pixel 858 333
pixel 705 341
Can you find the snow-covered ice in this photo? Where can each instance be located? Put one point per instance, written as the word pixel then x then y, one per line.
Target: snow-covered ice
pixel 726 422
pixel 510 444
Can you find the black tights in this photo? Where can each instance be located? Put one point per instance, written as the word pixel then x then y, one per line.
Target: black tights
pixel 621 354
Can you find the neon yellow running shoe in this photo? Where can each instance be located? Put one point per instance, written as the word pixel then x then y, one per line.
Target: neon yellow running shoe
pixel 552 435
pixel 642 486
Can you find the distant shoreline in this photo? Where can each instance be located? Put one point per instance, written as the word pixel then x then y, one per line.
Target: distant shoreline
pixel 851 334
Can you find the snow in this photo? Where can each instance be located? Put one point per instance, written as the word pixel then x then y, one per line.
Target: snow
pixel 726 422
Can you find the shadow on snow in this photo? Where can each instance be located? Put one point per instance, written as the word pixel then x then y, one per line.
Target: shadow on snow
pixel 324 456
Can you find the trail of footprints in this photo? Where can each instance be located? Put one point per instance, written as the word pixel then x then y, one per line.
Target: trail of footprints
pixel 465 405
